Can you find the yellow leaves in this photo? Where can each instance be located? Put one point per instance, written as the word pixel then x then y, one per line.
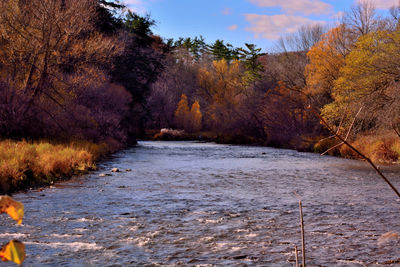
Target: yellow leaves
pixel 195 117
pixel 366 77
pixel 185 119
pixel 234 68
pixel 227 73
pixel 182 112
pixel 221 67
pixel 13 208
pixel 223 87
pixel 204 78
pixel 13 251
pixel 326 59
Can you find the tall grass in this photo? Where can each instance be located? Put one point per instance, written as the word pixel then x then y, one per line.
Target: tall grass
pixel 24 164
pixel 383 148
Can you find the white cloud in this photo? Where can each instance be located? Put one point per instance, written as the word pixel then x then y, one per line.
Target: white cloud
pixel 233 27
pixel 383 4
pixel 135 6
pixel 227 11
pixel 307 7
pixel 132 2
pixel 272 27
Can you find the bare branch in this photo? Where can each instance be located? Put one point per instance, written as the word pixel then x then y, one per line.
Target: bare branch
pixel 352 124
pixel 355 150
pixel 332 148
pixel 327 138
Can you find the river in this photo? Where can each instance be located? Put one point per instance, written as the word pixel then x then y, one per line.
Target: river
pixel 205 204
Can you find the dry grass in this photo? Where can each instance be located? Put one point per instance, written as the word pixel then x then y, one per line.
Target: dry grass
pixel 382 148
pixel 24 164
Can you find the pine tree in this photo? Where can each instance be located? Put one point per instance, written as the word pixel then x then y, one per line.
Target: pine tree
pixel 250 56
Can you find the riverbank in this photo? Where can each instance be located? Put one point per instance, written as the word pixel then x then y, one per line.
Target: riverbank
pixel 381 148
pixel 207 136
pixel 26 164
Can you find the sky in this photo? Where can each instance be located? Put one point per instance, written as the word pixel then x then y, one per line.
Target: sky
pixel 237 22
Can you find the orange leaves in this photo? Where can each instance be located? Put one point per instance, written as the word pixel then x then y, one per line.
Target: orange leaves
pixel 221 68
pixel 326 58
pixel 13 208
pixel 182 112
pixel 222 86
pixel 185 119
pixel 13 251
pixel 195 117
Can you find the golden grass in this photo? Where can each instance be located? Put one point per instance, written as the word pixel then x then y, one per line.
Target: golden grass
pixel 24 164
pixel 383 148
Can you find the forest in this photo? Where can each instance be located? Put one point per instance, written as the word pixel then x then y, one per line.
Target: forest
pixel 92 77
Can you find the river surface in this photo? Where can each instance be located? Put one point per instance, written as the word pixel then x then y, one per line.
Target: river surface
pixel 203 204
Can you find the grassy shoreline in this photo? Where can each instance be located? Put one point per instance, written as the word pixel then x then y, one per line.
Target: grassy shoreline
pixel 382 148
pixel 26 164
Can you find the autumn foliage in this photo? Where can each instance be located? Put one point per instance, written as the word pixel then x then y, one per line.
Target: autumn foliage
pixel 14 250
pixel 195 119
pixel 182 113
pixel 188 120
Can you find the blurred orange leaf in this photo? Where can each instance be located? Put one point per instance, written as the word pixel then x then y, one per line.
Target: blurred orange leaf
pixel 13 208
pixel 13 251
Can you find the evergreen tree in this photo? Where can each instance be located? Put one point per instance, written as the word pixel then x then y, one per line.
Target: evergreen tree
pixel 139 66
pixel 106 19
pixel 198 47
pixel 253 66
pixel 221 51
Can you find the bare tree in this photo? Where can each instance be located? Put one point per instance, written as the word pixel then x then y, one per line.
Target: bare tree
pixel 44 46
pixel 289 58
pixel 361 18
pixel 302 40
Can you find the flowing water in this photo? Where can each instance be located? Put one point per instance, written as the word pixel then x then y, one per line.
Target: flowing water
pixel 203 204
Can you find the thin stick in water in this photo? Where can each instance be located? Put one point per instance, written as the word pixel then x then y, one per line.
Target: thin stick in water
pixel 303 243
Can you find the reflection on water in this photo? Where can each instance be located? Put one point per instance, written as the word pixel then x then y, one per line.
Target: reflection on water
pixel 187 203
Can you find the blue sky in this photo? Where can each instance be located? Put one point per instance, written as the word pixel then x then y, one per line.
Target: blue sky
pixel 260 22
